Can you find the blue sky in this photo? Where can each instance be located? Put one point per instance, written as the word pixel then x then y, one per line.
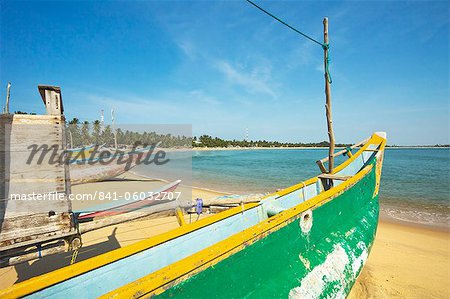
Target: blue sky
pixel 224 66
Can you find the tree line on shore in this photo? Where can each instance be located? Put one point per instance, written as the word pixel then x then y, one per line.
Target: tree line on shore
pixel 208 141
pixel 86 133
pixel 81 134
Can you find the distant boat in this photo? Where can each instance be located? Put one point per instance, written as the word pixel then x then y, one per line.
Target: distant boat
pixel 310 240
pixel 90 170
pixel 127 205
pixel 84 151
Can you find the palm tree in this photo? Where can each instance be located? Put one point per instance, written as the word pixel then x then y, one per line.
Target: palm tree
pixel 74 132
pixel 96 132
pixel 85 134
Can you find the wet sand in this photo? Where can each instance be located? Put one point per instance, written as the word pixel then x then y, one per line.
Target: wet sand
pixel 405 261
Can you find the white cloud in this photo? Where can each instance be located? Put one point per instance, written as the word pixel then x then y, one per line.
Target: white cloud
pixel 171 107
pixel 132 108
pixel 188 48
pixel 201 96
pixel 253 82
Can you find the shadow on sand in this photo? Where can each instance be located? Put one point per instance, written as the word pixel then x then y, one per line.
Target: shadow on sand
pixel 56 261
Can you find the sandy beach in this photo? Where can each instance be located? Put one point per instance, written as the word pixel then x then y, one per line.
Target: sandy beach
pixel 405 262
pixel 108 238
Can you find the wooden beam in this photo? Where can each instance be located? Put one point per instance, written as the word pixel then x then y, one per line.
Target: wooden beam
pixel 231 201
pixel 321 166
pixel 180 216
pixel 32 255
pixel 334 177
pixel 156 211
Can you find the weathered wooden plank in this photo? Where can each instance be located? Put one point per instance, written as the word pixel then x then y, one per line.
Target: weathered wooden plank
pixel 31 119
pixel 32 242
pixel 35 220
pixel 29 227
pixel 15 208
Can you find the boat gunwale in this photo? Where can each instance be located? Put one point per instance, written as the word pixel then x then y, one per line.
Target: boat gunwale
pixel 46 280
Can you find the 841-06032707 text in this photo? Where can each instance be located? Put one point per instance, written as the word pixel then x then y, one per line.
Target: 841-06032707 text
pixel 100 195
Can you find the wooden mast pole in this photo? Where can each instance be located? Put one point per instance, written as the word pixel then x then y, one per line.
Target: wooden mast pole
pixel 328 98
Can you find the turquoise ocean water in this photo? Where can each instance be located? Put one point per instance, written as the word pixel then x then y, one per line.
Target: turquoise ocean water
pixel 415 184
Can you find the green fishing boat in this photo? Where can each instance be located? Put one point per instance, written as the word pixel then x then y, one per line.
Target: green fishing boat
pixel 310 240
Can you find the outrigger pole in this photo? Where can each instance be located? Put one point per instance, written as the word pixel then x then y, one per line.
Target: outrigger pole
pixel 113 122
pixel 325 45
pixel 8 93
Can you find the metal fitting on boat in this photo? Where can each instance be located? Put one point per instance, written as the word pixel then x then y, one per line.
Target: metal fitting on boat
pixel 306 221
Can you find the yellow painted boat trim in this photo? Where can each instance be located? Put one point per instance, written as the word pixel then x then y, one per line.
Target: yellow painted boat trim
pixel 156 282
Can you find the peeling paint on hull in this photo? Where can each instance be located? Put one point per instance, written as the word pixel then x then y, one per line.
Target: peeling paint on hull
pixel 323 263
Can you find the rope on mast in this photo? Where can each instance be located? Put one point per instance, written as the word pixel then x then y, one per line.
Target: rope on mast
pixel 323 45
